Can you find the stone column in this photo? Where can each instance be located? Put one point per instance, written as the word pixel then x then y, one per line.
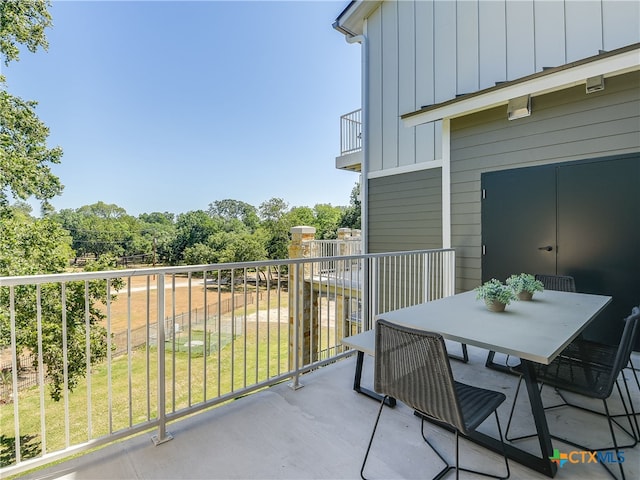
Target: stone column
pixel 300 281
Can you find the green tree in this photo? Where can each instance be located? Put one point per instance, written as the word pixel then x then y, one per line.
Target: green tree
pixel 351 217
pixel 31 246
pixel 275 223
pixel 244 247
pixel 200 254
pixel 231 211
pixel 301 216
pixel 327 220
pixel 103 228
pixel 159 230
pixel 25 159
pixel 192 228
pixel 23 23
pixel 34 246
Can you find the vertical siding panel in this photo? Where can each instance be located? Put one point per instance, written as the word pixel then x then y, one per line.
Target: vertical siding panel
pixel 445 50
pixel 584 29
pixel 550 34
pixel 520 61
pixel 621 23
pixel 390 112
pixel 492 43
pixel 424 78
pixel 406 81
pixel 467 65
pixel 374 142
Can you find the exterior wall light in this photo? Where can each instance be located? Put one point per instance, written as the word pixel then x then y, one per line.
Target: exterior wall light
pixel 595 84
pixel 519 107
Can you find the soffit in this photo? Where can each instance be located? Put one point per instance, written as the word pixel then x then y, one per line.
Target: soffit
pixel 608 64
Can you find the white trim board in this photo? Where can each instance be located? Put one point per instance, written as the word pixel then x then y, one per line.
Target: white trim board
pixel 416 167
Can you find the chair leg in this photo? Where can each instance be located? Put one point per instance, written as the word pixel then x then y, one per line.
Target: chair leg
pixel 633 414
pixel 629 412
pixel 447 467
pixel 634 370
pixel 504 454
pixel 375 426
pixel 615 447
pixel 615 444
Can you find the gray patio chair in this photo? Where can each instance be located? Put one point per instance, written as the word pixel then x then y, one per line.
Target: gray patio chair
pixel 603 353
pixel 412 366
pixel 582 370
pixel 560 283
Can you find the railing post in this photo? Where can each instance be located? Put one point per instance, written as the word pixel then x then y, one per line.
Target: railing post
pixel 295 381
pixel 303 316
pixel 162 436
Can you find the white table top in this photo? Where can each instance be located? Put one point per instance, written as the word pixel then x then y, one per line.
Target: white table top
pixel 536 330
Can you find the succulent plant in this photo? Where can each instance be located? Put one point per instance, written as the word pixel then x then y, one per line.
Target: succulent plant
pixel 495 290
pixel 525 282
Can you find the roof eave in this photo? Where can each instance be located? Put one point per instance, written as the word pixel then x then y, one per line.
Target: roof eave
pixel 616 62
pixel 350 22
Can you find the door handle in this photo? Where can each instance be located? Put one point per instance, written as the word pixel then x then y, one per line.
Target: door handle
pixel 548 248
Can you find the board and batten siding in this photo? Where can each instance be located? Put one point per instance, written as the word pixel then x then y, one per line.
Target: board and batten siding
pixel 564 126
pixel 405 212
pixel 425 52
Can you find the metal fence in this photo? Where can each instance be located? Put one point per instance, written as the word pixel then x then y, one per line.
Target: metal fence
pixel 351 132
pixel 27 375
pixel 246 326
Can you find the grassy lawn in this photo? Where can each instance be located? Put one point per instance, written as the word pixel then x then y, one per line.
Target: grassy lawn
pixel 262 353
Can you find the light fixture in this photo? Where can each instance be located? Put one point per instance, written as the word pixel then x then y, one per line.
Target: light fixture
pixel 595 84
pixel 519 107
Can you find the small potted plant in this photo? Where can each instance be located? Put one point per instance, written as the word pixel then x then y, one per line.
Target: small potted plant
pixel 525 285
pixel 495 294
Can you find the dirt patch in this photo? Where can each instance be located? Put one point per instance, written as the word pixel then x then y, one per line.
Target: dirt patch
pixel 136 301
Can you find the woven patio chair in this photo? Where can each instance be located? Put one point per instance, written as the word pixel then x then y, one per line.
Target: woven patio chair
pixel 587 372
pixel 413 367
pixel 560 283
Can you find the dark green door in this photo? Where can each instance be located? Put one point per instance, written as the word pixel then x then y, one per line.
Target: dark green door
pixel 518 222
pixel 580 219
pixel 599 235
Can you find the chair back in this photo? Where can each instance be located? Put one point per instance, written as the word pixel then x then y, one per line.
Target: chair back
pixel 561 283
pixel 413 366
pixel 627 340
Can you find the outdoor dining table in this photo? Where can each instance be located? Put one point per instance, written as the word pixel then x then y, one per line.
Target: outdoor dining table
pixel 535 331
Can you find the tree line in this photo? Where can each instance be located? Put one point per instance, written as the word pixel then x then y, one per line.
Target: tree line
pixel 228 231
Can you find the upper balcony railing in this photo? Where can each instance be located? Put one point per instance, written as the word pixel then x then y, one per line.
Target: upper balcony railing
pixel 178 340
pixel 351 132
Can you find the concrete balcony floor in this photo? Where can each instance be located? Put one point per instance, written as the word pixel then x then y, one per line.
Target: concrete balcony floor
pixel 321 432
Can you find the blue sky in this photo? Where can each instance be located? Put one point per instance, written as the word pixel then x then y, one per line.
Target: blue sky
pixel 169 106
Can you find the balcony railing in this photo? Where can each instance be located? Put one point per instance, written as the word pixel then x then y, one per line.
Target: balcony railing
pixel 182 339
pixel 351 132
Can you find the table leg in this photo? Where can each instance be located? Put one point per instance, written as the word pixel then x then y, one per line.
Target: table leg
pixel 390 401
pixel 496 366
pixel 464 358
pixel 539 418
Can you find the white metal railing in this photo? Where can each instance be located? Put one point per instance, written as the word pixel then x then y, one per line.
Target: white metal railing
pixel 181 339
pixel 351 132
pixel 334 248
